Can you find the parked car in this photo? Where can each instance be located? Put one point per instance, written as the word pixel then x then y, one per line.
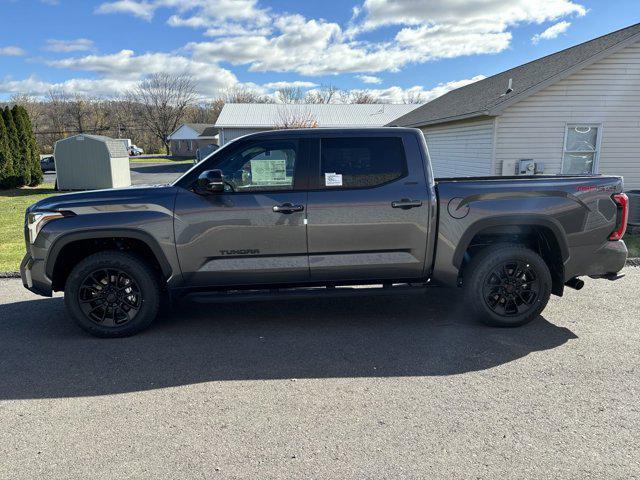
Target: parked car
pixel 323 208
pixel 134 151
pixel 48 164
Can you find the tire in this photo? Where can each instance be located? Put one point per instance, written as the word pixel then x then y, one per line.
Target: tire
pixel 112 294
pixel 507 285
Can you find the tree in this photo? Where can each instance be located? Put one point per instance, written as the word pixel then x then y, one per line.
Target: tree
pixel 7 177
pixel 290 95
pixel 295 118
pixel 163 100
pixel 33 161
pixel 362 96
pixel 24 161
pixel 15 160
pixel 324 94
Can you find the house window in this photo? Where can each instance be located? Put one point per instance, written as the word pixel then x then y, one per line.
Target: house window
pixel 581 149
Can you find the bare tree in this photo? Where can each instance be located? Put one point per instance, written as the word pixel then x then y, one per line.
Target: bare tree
pixel 290 95
pixel 243 95
pixel 362 96
pixel 412 97
pixel 295 118
pixel 163 100
pixel 324 94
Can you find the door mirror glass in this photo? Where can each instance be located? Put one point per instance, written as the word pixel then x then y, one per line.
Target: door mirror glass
pixel 210 181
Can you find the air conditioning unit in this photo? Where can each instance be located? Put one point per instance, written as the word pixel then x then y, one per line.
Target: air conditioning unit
pixel 524 166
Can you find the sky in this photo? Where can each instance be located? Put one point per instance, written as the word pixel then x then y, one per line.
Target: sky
pixel 392 48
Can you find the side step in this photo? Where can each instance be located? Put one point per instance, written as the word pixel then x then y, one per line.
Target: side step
pixel 329 291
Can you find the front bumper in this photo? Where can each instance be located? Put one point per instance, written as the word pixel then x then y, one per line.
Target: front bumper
pixel 34 277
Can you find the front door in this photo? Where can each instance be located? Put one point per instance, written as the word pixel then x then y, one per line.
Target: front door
pixel 368 210
pixel 254 232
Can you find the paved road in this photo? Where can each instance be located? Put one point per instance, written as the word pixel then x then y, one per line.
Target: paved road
pixel 400 387
pixel 146 173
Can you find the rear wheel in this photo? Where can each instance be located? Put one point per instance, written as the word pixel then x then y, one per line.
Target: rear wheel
pixel 112 294
pixel 507 285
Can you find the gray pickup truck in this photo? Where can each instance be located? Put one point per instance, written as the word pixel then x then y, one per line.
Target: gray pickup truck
pixel 295 210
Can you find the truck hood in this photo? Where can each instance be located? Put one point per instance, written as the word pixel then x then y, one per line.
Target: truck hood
pixel 75 202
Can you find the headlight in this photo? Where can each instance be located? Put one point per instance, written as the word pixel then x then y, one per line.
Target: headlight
pixel 37 220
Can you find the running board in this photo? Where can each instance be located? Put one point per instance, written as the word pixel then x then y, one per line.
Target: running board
pixel 305 292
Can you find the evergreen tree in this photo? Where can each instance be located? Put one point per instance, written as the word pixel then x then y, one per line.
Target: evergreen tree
pixel 34 160
pixel 6 166
pixel 24 149
pixel 12 144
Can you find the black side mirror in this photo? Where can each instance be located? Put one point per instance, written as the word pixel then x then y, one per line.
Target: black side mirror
pixel 210 181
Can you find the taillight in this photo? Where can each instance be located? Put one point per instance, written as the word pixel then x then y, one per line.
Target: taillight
pixel 622 201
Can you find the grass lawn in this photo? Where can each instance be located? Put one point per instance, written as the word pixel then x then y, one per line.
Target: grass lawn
pixel 633 244
pixel 158 160
pixel 13 203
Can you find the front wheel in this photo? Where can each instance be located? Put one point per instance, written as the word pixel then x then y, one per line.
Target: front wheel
pixel 112 294
pixel 507 285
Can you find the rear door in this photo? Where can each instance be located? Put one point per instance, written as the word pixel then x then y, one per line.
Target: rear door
pixel 254 232
pixel 368 209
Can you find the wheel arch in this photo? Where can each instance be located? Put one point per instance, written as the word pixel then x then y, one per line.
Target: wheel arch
pixel 541 234
pixel 64 243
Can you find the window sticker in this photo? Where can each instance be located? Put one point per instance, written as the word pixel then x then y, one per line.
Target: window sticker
pixel 269 172
pixel 333 179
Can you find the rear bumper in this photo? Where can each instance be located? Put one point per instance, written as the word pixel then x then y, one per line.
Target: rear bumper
pixel 34 277
pixel 610 258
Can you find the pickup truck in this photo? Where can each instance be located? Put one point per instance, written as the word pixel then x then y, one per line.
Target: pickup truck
pixel 315 209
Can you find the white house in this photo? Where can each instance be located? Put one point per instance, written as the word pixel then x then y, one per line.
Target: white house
pixel 575 111
pixel 188 137
pixel 238 119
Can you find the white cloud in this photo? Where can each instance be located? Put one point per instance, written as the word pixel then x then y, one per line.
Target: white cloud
pixel 552 32
pixel 12 51
pixel 125 65
pixel 369 79
pixel 192 13
pixel 397 94
pixel 294 84
pixel 91 87
pixel 77 45
pixel 144 10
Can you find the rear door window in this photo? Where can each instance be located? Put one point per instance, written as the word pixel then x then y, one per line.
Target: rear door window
pixel 356 162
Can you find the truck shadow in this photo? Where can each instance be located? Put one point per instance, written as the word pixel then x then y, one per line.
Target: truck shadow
pixel 43 355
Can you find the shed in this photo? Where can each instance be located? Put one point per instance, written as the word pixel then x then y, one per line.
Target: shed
pixel 89 162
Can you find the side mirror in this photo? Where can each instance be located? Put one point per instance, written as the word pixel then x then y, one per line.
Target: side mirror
pixel 210 181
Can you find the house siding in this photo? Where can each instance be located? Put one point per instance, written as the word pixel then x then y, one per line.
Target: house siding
pixel 606 92
pixel 228 134
pixel 187 148
pixel 461 149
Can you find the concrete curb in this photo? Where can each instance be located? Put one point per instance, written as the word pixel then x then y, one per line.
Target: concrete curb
pixel 9 274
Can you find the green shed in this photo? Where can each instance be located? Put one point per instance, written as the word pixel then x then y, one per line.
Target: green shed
pixel 90 162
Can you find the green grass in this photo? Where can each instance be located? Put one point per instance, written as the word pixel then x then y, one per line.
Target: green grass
pixel 158 160
pixel 13 203
pixel 633 244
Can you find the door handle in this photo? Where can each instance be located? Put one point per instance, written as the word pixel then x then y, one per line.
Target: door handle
pixel 406 204
pixel 288 208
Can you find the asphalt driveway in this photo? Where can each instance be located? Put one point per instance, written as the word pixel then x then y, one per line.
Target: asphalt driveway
pixel 392 387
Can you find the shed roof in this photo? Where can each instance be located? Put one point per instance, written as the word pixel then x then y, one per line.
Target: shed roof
pixel 266 115
pixel 116 148
pixel 487 97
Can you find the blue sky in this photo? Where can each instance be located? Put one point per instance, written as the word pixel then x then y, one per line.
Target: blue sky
pixel 391 47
